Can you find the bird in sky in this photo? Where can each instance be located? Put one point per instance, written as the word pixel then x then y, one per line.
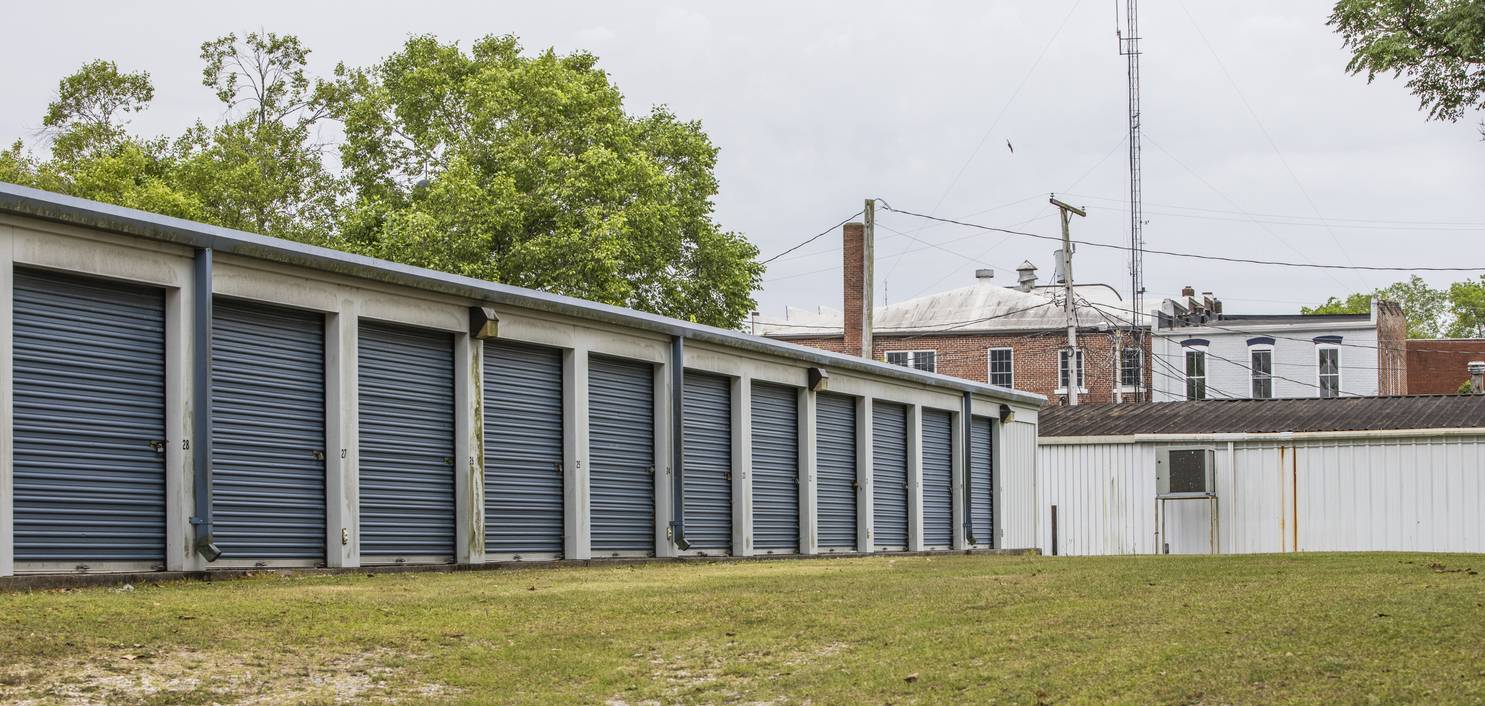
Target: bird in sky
pixel 1009 147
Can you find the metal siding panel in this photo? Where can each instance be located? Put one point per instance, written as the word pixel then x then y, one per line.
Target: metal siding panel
pixel 407 441
pixel 982 481
pixel 889 475
pixel 835 471
pixel 268 432
pixel 89 399
pixel 1021 512
pixel 621 450
pixel 938 478
pixel 707 479
pixel 523 448
pixel 775 468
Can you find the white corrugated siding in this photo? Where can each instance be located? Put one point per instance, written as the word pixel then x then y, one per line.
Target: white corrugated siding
pixel 1016 492
pixel 1400 494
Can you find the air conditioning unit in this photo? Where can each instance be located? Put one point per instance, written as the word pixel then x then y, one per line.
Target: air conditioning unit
pixel 1186 472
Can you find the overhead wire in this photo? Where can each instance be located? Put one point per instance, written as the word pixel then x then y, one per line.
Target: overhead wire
pixel 814 237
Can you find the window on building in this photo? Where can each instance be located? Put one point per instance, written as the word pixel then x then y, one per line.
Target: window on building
pixel 1062 369
pixel 1130 367
pixel 1002 370
pixel 917 360
pixel 1330 371
pixel 1261 364
pixel 1196 375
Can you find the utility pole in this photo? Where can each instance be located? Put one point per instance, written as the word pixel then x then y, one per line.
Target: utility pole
pixel 868 287
pixel 1068 308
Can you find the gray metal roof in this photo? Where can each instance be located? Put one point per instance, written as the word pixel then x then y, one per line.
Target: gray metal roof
pixel 1266 416
pixel 25 201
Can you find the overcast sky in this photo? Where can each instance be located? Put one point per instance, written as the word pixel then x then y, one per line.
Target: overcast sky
pixel 1257 144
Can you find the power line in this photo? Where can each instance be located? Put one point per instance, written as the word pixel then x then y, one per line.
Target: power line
pixel 815 237
pixel 1461 225
pixel 1219 258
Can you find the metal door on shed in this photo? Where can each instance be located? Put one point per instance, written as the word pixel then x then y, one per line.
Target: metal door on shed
pixel 523 449
pixel 835 472
pixel 89 425
pixel 938 479
pixel 775 469
pixel 707 478
pixel 268 431
pixel 406 387
pixel 621 453
pixel 981 482
pixel 889 475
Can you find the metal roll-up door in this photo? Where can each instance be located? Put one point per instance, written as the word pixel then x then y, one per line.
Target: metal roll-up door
pixel 707 479
pixel 889 475
pixel 621 453
pixel 835 472
pixel 775 469
pixel 523 449
pixel 981 481
pixel 89 424
pixel 268 431
pixel 406 410
pixel 938 479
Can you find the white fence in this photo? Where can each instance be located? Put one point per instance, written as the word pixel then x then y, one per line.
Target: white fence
pixel 1377 491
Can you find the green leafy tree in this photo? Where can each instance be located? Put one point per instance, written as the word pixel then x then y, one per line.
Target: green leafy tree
pixel 1438 44
pixel 526 169
pixel 1426 308
pixel 1467 305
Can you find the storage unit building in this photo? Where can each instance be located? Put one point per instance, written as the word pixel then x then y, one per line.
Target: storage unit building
pixel 185 397
pixel 1247 476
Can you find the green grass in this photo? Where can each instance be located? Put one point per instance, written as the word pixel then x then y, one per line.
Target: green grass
pixel 1361 628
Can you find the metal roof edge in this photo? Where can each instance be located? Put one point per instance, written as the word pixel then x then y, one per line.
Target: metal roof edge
pixel 70 210
pixel 1224 436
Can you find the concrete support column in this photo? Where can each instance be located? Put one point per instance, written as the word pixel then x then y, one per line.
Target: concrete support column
pixel 7 405
pixel 180 497
pixel 960 469
pixel 809 527
pixel 997 497
pixel 664 472
pixel 742 465
pixel 915 477
pixel 865 522
pixel 577 530
pixel 343 442
pixel 469 472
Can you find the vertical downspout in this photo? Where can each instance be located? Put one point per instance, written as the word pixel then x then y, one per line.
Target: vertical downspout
pixel 677 442
pixel 968 426
pixel 201 405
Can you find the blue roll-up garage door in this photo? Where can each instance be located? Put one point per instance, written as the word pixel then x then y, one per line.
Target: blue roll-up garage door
pixel 835 472
pixel 889 475
pixel 89 401
pixel 523 449
pixel 621 452
pixel 707 480
pixel 938 479
pixel 268 431
pixel 407 443
pixel 775 469
pixel 981 481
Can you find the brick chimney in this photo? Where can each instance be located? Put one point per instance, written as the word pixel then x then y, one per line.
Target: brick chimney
pixel 853 237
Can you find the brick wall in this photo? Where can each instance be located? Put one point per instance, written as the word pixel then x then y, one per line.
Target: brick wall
pixel 1437 366
pixel 1034 361
pixel 1392 359
pixel 853 237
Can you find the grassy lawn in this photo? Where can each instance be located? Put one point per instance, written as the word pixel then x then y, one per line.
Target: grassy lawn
pixel 1377 628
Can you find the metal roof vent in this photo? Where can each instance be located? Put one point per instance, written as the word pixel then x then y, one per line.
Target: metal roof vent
pixel 984 274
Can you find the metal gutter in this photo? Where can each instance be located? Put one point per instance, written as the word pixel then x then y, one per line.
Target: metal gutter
pixel 69 210
pixel 1267 436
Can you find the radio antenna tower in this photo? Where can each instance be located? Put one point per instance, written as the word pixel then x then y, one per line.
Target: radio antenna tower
pixel 1129 46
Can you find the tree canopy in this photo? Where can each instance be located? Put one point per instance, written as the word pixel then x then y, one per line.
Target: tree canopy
pixel 488 161
pixel 1456 312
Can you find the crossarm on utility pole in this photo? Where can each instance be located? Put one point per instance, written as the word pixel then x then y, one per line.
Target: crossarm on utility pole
pixel 1068 308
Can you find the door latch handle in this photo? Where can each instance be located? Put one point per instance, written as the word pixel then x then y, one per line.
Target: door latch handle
pixel 318 455
pixel 557 466
pixel 158 445
pixel 727 475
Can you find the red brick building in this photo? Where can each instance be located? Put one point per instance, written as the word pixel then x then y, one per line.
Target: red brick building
pixel 1010 336
pixel 1438 366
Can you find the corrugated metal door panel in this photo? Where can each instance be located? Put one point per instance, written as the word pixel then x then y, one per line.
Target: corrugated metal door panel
pixel 621 452
pixel 268 431
pixel 707 481
pixel 938 479
pixel 982 481
pixel 775 468
pixel 835 471
pixel 407 441
pixel 89 401
pixel 889 475
pixel 523 449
